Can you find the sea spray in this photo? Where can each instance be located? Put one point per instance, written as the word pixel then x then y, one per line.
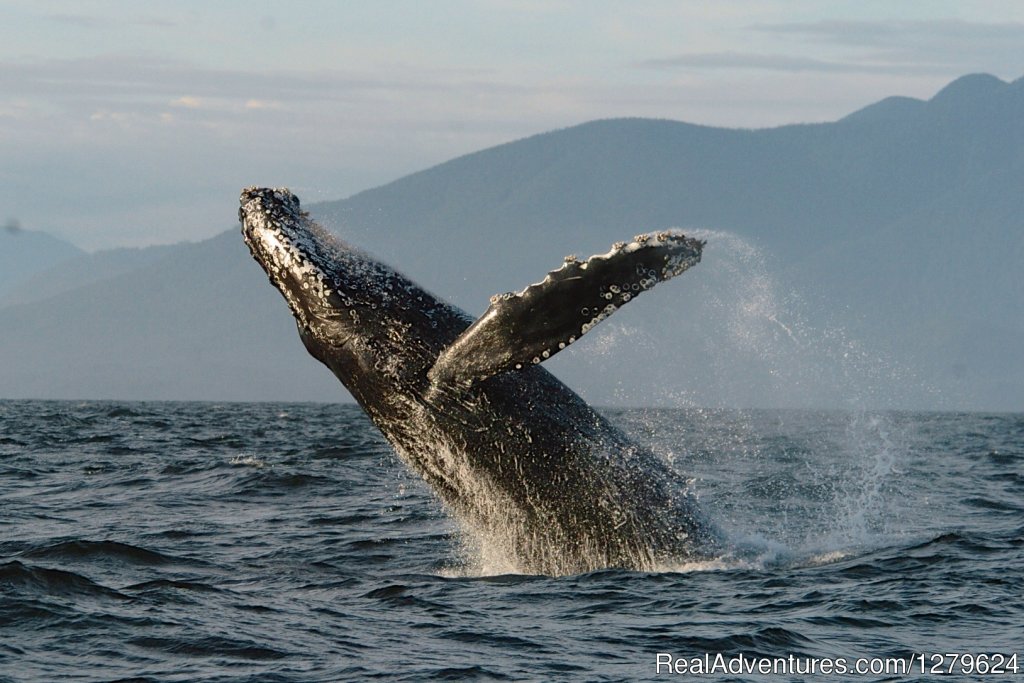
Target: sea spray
pixel 753 343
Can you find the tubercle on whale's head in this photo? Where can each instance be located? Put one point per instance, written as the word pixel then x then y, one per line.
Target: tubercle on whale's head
pixel 300 258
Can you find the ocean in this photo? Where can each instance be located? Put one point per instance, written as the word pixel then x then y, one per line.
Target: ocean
pixel 285 542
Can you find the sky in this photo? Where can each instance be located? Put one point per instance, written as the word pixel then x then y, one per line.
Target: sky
pixel 137 123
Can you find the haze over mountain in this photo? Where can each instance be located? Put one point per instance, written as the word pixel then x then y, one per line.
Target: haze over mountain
pixel 873 261
pixel 72 273
pixel 26 252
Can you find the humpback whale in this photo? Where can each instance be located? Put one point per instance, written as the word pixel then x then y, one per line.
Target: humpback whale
pixel 513 454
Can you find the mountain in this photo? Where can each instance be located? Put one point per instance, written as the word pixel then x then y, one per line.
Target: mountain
pixel 794 189
pixel 872 261
pixel 902 224
pixel 198 323
pixel 26 252
pixel 78 271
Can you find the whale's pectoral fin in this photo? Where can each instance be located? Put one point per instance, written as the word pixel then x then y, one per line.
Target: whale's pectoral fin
pixel 532 325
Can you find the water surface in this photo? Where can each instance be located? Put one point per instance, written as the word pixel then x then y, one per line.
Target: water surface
pixel 273 542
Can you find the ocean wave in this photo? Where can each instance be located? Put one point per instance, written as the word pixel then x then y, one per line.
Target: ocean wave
pixel 32 579
pixel 106 550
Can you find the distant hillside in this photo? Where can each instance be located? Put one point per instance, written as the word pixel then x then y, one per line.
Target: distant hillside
pixel 873 261
pixel 25 252
pixel 795 189
pixel 198 323
pixel 902 223
pixel 79 271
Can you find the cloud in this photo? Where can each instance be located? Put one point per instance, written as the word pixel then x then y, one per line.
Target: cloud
pixel 94 21
pixel 939 47
pixel 949 42
pixel 120 117
pixel 187 101
pixel 778 62
pixel 135 77
pixel 262 104
pixel 895 33
pixel 80 20
pixel 119 134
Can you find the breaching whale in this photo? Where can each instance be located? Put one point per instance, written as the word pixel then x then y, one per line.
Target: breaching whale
pixel 516 456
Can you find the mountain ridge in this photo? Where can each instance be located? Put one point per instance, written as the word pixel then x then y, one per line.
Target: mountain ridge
pixel 24 253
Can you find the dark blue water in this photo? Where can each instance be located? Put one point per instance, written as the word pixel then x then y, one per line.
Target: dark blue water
pixel 257 542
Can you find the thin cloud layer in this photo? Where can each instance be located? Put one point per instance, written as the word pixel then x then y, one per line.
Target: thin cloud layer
pixel 946 47
pixel 899 33
pixel 786 63
pixel 947 43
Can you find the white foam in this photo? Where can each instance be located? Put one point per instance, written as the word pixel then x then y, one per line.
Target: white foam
pixel 248 461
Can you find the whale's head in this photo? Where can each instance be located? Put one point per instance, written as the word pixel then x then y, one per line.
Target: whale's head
pixel 356 315
pixel 301 259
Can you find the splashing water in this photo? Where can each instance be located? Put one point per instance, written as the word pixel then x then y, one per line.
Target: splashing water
pixel 732 335
pixel 747 340
pixel 865 510
pixel 853 465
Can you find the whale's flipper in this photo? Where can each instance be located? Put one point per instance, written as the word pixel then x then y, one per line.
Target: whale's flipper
pixel 532 325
